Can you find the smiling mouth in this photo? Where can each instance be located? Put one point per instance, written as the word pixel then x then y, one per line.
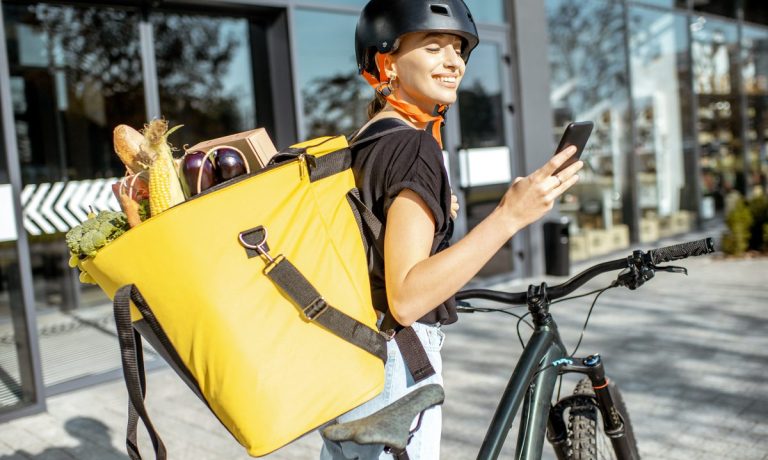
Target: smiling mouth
pixel 444 79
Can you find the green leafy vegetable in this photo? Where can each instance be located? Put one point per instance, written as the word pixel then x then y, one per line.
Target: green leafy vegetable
pixel 93 234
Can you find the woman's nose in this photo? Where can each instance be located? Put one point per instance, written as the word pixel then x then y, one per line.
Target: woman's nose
pixel 452 58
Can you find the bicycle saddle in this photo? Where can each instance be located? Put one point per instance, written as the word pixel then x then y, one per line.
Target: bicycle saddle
pixel 390 425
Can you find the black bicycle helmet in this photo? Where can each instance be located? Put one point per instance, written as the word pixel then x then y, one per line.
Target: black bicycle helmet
pixel 383 21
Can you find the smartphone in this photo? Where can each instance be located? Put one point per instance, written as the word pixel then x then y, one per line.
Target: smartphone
pixel 576 133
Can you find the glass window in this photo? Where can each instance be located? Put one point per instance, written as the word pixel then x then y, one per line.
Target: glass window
pixel 480 99
pixel 333 94
pixel 658 47
pixel 714 49
pixel 205 75
pixel 717 7
pixel 75 74
pixel 491 11
pixel 665 3
pixel 755 11
pixel 358 3
pixel 755 80
pixel 16 385
pixel 485 170
pixel 589 82
pixel 14 390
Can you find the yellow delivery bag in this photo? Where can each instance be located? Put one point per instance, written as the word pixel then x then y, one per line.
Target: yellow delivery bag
pixel 257 293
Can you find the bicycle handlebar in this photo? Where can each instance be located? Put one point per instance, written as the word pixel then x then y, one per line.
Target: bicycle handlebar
pixel 681 251
pixel 641 260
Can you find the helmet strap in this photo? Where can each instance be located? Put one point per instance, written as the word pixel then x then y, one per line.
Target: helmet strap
pixel 384 89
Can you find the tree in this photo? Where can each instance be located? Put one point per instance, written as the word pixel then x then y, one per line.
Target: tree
pixel 335 104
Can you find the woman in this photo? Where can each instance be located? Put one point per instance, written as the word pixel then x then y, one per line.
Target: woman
pixel 414 53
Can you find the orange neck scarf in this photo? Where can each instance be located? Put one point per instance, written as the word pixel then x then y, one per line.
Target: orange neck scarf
pixel 410 111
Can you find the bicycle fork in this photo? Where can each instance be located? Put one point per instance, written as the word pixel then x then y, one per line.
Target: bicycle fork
pixel 603 399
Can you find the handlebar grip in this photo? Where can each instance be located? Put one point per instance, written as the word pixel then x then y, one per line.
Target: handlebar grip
pixel 681 251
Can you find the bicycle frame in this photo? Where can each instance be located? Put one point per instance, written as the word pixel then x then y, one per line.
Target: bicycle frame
pixel 545 345
pixel 535 385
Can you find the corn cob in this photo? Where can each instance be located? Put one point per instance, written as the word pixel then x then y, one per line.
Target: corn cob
pixel 164 186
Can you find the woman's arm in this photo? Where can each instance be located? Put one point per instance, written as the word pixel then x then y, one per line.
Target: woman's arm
pixel 417 283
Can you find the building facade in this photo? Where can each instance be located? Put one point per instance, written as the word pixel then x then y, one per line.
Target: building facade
pixel 677 89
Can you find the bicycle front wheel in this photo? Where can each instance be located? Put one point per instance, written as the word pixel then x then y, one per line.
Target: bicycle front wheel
pixel 587 439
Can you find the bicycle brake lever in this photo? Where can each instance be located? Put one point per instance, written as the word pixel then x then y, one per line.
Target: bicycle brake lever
pixel 672 269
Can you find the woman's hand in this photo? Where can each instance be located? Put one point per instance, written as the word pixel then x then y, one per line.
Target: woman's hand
pixel 529 198
pixel 454 206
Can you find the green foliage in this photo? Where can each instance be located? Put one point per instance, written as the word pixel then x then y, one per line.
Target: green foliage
pixel 96 232
pixel 739 222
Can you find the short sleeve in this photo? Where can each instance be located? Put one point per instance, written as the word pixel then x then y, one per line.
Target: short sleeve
pixel 417 165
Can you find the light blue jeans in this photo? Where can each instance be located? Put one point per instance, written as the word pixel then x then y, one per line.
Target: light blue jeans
pixel 425 444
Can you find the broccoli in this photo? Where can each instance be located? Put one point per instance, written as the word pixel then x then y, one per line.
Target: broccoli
pixel 93 234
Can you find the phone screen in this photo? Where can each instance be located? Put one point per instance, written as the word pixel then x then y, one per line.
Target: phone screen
pixel 576 133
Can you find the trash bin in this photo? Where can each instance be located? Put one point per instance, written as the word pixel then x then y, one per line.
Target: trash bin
pixel 557 246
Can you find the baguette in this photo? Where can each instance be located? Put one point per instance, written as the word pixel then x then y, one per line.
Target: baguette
pixel 128 147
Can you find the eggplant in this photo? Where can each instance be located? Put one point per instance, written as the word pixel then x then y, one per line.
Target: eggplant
pixel 196 166
pixel 229 163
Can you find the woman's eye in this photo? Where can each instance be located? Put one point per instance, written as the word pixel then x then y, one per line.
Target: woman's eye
pixel 433 49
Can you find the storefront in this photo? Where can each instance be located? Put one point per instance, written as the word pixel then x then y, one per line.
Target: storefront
pixel 678 96
pixel 676 91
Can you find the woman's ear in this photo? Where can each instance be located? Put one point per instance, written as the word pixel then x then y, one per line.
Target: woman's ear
pixel 390 68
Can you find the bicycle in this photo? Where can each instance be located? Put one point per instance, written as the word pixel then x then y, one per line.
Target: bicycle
pixel 543 361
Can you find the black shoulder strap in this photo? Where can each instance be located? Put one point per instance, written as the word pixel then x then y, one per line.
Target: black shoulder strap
pixel 340 160
pixel 377 130
pixel 135 380
pixel 413 352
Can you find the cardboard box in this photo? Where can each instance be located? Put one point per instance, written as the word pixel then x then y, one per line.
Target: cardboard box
pixel 255 145
pixel 598 242
pixel 682 221
pixel 578 250
pixel 649 229
pixel 666 227
pixel 619 236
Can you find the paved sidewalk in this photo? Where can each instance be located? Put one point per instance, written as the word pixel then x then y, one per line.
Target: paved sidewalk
pixel 689 353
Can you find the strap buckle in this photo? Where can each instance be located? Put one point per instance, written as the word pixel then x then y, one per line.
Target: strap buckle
pixel 388 334
pixel 315 309
pixel 260 245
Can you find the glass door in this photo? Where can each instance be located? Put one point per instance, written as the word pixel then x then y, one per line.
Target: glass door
pixel 480 159
pixel 19 366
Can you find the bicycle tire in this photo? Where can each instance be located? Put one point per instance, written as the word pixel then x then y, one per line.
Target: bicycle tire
pixel 586 438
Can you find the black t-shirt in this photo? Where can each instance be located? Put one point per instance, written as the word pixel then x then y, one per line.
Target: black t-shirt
pixel 384 167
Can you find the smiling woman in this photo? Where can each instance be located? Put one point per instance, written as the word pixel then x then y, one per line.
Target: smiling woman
pixel 414 54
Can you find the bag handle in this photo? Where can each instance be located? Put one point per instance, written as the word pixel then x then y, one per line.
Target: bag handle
pixel 132 358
